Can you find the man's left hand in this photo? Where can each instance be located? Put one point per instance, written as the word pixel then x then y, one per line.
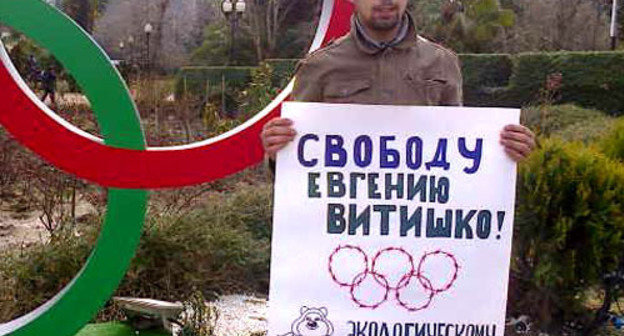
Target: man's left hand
pixel 518 141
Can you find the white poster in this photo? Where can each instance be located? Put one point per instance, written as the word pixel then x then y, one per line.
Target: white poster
pixel 392 221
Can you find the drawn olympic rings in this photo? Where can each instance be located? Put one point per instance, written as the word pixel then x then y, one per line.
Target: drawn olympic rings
pixel 391 272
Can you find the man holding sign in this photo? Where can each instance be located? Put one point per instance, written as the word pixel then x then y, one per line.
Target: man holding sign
pixel 383 61
pixel 399 224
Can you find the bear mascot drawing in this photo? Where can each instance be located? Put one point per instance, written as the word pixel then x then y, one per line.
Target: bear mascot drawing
pixel 312 322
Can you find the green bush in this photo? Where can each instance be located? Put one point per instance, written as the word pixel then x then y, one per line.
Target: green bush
pixel 484 77
pixel 259 92
pixel 220 247
pixel 568 230
pixel 206 80
pixel 283 70
pixel 530 71
pixel 590 79
pixel 33 275
pixel 613 143
pixel 490 70
pixel 548 119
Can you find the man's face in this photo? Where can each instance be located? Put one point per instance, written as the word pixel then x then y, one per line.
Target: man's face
pixel 382 15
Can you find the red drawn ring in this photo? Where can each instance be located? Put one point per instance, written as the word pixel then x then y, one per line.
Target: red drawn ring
pixel 357 282
pixel 331 261
pixel 411 270
pixel 449 283
pixel 420 278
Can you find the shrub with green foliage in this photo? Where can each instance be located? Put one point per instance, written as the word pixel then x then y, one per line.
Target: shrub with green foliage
pixel 590 79
pixel 613 143
pixel 485 76
pixel 569 230
pixel 259 92
pixel 283 70
pixel 31 276
pixel 222 246
pixel 215 48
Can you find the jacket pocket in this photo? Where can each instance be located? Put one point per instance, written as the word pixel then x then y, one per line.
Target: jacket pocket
pixel 429 90
pixel 346 91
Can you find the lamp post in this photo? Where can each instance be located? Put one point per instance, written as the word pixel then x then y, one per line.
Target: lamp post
pixel 233 10
pixel 121 47
pixel 131 46
pixel 613 32
pixel 148 29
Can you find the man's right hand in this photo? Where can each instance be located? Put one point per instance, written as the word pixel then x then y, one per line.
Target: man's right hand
pixel 276 134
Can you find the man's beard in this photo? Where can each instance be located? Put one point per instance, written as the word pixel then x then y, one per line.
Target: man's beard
pixel 385 25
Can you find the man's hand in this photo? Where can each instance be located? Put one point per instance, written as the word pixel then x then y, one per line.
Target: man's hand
pixel 518 141
pixel 277 133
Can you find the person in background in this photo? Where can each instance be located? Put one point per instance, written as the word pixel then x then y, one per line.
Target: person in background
pixel 33 69
pixel 48 81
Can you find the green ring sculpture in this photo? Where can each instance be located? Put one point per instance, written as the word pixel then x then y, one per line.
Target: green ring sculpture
pixel 74 306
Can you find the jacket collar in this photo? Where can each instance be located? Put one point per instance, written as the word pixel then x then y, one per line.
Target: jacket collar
pixel 406 36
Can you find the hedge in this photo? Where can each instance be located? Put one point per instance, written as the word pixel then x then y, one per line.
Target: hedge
pixel 484 76
pixel 589 79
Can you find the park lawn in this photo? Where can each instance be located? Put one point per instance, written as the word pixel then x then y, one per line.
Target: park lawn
pixel 117 329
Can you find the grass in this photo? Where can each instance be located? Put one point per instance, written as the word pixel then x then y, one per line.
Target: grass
pixel 588 131
pixel 546 120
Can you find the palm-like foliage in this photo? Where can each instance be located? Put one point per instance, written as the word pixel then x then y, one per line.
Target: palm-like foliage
pixel 473 25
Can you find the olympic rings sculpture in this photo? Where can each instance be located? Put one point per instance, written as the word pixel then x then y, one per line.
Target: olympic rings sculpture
pixel 378 278
pixel 121 161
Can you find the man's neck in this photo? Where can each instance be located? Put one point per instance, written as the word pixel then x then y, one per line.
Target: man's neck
pixel 382 35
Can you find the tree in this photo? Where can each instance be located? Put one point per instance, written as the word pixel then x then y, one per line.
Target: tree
pixel 267 29
pixel 551 25
pixel 82 11
pixel 620 19
pixel 178 29
pixel 185 22
pixel 545 25
pixel 215 48
pixel 472 25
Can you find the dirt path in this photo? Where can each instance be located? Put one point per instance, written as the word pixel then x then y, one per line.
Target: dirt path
pixel 24 229
pixel 21 231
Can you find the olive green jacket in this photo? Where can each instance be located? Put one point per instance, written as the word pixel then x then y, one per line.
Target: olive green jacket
pixel 350 70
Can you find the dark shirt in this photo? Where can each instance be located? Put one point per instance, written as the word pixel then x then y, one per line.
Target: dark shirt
pixel 49 80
